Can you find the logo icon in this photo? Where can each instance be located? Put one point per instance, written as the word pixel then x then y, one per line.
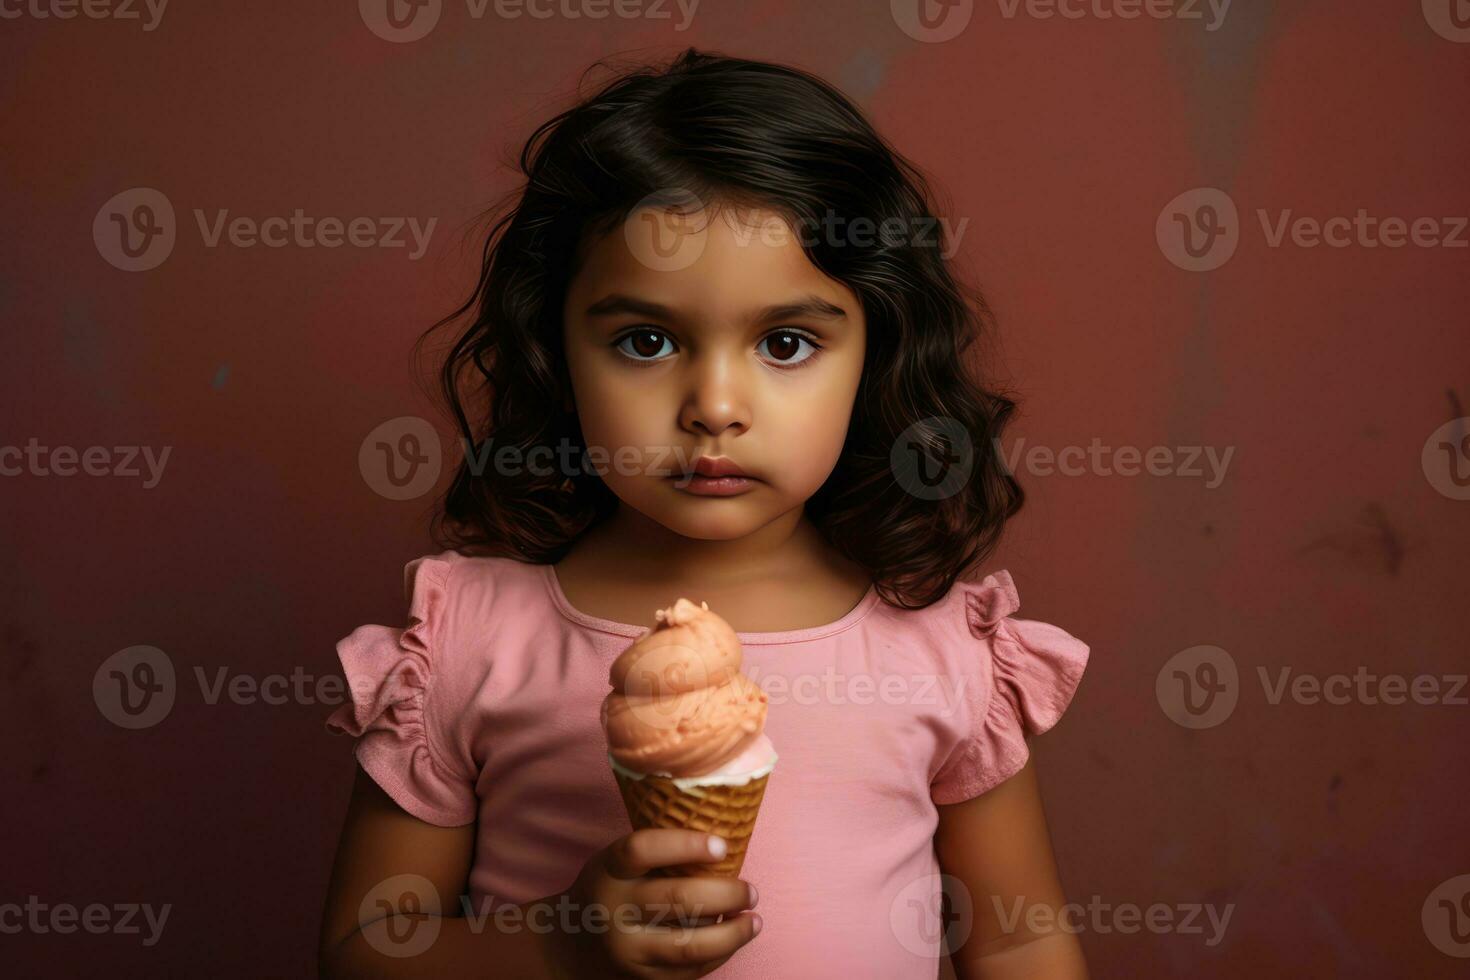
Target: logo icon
pixel 932 21
pixel 1199 230
pixel 1446 459
pixel 400 916
pixel 401 458
pixel 135 688
pixel 933 458
pixel 932 913
pixel 667 230
pixel 668 685
pixel 1446 917
pixel 400 21
pixel 135 230
pixel 1450 19
pixel 1198 687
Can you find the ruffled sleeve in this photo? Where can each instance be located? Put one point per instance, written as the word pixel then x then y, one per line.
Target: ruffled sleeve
pixel 393 677
pixel 1025 673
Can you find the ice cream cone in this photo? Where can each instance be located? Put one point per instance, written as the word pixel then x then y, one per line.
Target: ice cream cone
pixel 717 806
pixel 685 732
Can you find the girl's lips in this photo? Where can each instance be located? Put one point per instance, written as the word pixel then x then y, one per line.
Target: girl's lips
pixel 714 486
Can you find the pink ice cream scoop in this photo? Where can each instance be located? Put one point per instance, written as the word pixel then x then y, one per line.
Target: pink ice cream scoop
pixel 680 705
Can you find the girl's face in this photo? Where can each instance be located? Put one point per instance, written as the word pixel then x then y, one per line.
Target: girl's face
pixel 711 336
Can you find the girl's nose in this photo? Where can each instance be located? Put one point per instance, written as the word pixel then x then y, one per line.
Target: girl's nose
pixel 716 398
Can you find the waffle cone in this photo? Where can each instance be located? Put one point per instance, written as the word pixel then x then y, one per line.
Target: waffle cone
pixel 729 811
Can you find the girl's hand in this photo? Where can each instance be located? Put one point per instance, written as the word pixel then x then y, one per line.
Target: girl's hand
pixel 653 927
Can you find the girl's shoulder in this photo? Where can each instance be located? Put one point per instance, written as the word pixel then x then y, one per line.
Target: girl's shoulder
pixel 452 604
pixel 1033 663
pixel 457 597
pixel 473 580
pixel 1000 678
pixel 978 610
pixel 410 684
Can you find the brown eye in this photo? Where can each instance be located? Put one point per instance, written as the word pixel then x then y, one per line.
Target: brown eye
pixel 645 344
pixel 785 348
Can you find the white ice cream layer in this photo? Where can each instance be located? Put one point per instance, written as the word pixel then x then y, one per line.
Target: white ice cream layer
pixel 758 760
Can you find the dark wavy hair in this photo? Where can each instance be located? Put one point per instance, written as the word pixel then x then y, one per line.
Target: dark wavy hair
pixel 747 133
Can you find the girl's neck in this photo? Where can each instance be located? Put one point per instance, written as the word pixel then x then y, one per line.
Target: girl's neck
pixel 638 549
pixel 782 577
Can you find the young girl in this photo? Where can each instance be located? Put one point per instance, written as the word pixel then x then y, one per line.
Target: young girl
pixel 716 353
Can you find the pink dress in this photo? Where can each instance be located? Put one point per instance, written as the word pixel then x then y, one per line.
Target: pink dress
pixel 484 710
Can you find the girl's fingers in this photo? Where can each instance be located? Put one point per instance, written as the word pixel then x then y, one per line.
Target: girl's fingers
pixel 688 947
pixel 638 853
pixel 690 901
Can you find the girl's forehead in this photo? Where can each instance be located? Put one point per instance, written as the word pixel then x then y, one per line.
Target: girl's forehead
pixel 735 260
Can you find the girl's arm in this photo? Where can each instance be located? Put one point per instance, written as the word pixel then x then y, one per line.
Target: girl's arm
pixel 654 927
pixel 997 848
pixel 380 841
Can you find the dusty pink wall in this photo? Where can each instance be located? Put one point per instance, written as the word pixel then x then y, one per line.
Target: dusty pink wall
pixel 1328 546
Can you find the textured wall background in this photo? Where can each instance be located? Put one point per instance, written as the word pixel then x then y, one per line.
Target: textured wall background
pixel 1333 540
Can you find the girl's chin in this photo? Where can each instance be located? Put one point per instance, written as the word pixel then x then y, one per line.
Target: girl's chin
pixel 697 518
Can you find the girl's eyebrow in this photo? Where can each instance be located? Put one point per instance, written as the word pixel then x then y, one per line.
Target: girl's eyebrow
pixel 811 306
